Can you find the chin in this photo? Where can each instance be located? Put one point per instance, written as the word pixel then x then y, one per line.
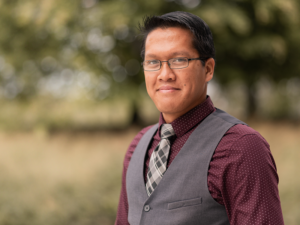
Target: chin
pixel 167 108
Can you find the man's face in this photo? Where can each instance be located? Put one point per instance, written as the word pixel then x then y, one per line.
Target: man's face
pixel 175 91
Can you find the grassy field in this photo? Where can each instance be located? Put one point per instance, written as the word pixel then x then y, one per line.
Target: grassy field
pixel 284 140
pixel 74 178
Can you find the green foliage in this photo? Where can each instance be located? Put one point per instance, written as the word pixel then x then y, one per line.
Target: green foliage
pixel 39 40
pixel 50 114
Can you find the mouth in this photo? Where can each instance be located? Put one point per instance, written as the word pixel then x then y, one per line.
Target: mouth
pixel 167 89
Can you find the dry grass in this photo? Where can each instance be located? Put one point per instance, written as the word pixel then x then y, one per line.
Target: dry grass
pixel 62 178
pixel 74 178
pixel 284 140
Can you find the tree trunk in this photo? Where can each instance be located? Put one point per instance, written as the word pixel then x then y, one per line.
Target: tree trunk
pixel 135 119
pixel 251 102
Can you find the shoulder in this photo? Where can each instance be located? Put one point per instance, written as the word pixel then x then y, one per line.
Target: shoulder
pixel 133 144
pixel 242 135
pixel 246 147
pixel 242 145
pixel 138 137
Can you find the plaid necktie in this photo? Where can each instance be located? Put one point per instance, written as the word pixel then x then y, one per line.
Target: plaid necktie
pixel 159 157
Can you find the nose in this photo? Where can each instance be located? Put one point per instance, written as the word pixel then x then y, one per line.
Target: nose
pixel 165 72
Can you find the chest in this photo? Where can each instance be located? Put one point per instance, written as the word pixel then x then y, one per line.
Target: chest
pixel 182 196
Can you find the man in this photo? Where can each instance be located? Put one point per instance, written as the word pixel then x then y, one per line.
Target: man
pixel 199 165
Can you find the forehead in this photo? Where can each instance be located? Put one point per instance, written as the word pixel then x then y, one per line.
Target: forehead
pixel 169 41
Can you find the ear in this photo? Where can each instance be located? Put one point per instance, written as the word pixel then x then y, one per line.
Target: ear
pixel 209 69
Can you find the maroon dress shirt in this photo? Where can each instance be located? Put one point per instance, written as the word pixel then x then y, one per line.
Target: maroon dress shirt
pixel 242 174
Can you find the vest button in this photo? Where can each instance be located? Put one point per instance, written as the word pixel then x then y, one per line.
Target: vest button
pixel 146 208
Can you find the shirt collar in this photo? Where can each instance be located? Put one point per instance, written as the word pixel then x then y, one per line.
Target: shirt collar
pixel 190 119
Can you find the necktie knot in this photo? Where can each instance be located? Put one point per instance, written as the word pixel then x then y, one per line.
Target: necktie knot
pixel 166 131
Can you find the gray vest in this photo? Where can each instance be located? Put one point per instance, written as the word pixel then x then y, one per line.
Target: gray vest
pixel 182 196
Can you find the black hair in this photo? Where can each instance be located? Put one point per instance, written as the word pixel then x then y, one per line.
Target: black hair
pixel 202 41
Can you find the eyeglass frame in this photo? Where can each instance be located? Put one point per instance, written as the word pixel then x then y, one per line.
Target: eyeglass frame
pixel 203 59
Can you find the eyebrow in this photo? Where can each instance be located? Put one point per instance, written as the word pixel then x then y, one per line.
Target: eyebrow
pixel 150 55
pixel 180 53
pixel 173 54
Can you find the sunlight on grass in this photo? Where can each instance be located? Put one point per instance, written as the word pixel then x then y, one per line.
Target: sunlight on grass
pixel 60 179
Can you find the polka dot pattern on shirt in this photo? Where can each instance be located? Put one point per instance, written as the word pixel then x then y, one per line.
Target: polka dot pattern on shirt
pixel 242 173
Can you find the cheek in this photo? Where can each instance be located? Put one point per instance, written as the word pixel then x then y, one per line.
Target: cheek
pixel 188 82
pixel 193 85
pixel 147 80
pixel 148 89
pixel 150 84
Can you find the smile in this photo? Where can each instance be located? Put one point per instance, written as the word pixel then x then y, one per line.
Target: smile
pixel 167 89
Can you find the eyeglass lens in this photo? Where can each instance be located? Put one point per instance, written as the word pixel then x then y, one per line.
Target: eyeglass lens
pixel 175 63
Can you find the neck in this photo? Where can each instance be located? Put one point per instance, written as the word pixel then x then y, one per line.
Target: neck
pixel 170 117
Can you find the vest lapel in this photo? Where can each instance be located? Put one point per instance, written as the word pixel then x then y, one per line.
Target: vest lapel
pixel 142 150
pixel 185 151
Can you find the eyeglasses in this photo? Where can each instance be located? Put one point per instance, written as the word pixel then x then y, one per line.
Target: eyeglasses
pixel 175 63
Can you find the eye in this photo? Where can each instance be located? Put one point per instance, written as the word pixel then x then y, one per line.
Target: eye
pixel 153 62
pixel 178 60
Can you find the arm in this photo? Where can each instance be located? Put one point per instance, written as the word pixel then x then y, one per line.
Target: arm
pixel 122 214
pixel 249 182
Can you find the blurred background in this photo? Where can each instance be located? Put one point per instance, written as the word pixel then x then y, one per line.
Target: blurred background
pixel 72 97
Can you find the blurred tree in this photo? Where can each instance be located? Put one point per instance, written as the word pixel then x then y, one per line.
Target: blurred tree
pixel 53 44
pixel 254 39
